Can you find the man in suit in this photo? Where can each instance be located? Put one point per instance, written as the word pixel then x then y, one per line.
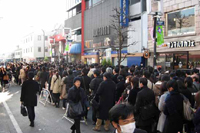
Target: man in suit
pixel 123 120
pixel 29 97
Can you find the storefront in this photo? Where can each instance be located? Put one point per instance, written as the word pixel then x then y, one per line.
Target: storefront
pixel 179 55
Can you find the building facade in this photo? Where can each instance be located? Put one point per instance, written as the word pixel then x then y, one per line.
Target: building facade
pixel 35 46
pixel 181 47
pixel 97 37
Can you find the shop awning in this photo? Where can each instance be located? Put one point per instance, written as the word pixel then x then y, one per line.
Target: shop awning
pixel 75 48
pixel 57 38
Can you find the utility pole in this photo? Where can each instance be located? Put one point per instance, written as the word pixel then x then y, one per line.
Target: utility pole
pixel 155 40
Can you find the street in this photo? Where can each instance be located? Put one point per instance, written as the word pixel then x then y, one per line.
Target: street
pixel 48 119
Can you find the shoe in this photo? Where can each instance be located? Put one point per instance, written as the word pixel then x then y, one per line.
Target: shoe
pixel 63 108
pixel 97 130
pixel 32 124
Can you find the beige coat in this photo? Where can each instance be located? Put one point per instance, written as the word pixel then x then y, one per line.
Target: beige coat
pixel 63 87
pixel 56 84
pixel 22 74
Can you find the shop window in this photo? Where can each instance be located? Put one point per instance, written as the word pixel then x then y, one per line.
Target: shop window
pixel 181 22
pixel 39 49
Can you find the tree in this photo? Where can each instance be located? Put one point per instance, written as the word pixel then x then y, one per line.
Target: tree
pixel 121 35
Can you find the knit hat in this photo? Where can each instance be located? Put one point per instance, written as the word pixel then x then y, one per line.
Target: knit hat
pixel 77 78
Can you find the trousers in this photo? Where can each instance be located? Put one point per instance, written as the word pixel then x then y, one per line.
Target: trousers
pixel 31 113
pixel 76 126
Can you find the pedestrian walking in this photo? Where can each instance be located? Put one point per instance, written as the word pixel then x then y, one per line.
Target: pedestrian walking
pixel 29 97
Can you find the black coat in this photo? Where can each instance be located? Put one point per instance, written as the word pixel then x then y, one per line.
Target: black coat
pixel 69 82
pixel 85 83
pixel 133 95
pixel 106 95
pixel 119 90
pixel 114 78
pixel 174 113
pixel 94 84
pixel 43 78
pixel 144 97
pixel 28 93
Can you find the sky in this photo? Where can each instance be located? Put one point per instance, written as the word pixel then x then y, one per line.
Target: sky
pixel 17 17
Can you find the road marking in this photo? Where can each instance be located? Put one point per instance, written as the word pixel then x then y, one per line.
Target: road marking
pixel 15 124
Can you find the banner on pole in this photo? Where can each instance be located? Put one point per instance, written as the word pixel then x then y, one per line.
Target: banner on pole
pixel 160 36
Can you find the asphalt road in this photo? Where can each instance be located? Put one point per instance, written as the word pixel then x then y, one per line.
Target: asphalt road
pixel 48 118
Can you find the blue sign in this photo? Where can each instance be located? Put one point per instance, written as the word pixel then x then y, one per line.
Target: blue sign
pixel 160 23
pixel 124 13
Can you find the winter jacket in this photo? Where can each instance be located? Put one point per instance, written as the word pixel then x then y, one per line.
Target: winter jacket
pixel 56 84
pixel 94 84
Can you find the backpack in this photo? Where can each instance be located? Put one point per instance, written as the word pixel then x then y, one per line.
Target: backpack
pixel 187 109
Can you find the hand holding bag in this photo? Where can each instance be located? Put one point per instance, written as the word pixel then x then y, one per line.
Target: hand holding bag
pixel 23 110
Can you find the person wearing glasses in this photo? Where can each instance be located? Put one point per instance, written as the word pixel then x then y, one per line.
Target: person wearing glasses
pixel 122 119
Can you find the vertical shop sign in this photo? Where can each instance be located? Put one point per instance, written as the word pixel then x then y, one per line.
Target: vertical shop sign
pixel 124 12
pixel 159 33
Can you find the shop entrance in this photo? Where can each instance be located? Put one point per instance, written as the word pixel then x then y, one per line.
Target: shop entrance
pixel 173 60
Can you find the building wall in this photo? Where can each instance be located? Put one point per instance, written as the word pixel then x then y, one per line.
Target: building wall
pixel 73 22
pixel 99 16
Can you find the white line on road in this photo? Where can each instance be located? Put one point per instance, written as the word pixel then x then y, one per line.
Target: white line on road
pixel 15 124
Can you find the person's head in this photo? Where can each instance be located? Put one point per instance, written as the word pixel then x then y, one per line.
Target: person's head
pixel 122 118
pixel 128 78
pixel 197 99
pixel 30 75
pixel 143 82
pixel 188 82
pixel 116 70
pixel 195 78
pixel 70 72
pixel 96 73
pixel 109 70
pixel 172 75
pixel 84 71
pixel 103 69
pixel 77 82
pixel 163 87
pixel 181 85
pixel 92 66
pixel 132 70
pixel 120 78
pixel 146 74
pixel 43 69
pixel 135 82
pixel 172 85
pixel 64 74
pixel 107 76
pixel 164 78
pixel 195 71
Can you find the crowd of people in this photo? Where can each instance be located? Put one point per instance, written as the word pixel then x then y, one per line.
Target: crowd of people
pixel 133 99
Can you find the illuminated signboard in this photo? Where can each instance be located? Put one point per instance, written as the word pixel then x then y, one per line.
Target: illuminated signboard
pixel 124 12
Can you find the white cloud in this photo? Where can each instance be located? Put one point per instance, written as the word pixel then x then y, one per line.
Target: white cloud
pixel 20 15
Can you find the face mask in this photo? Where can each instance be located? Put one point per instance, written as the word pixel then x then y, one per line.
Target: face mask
pixel 128 128
pixel 126 81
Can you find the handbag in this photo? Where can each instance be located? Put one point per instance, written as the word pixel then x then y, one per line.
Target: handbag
pixel 187 109
pixel 75 110
pixel 95 104
pixel 23 110
pixel 6 77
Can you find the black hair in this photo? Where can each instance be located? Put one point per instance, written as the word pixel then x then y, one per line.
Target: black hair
pixel 92 66
pixel 147 74
pixel 70 72
pixel 120 111
pixel 132 69
pixel 189 81
pixel 103 69
pixel 195 71
pixel 135 82
pixel 64 73
pixel 84 71
pixel 30 75
pixel 163 87
pixel 173 84
pixel 144 81
pixel 116 69
pixel 97 72
pixel 107 75
pixel 181 85
pixel 165 77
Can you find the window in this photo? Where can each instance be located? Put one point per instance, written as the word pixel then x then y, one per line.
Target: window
pixel 39 38
pixel 134 1
pixel 74 12
pixel 78 32
pixel 46 49
pixel 46 38
pixel 39 49
pixel 70 14
pixel 181 22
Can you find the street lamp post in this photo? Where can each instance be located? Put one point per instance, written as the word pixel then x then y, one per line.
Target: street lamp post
pixel 43 41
